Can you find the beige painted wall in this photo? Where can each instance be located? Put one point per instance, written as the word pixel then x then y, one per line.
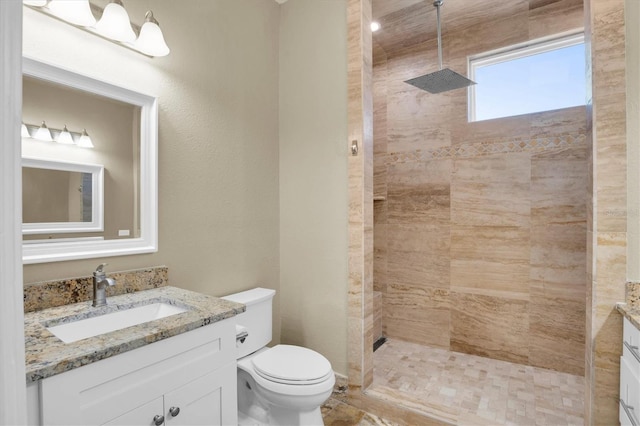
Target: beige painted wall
pixel 218 137
pixel 313 176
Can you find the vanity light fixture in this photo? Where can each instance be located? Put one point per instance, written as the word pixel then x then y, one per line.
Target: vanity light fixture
pixel 114 24
pixel 85 140
pixel 151 41
pixel 65 137
pixel 43 133
pixel 375 26
pixel 76 12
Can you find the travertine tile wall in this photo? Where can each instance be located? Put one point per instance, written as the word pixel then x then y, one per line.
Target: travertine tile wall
pixel 360 171
pixel 607 218
pixel 480 241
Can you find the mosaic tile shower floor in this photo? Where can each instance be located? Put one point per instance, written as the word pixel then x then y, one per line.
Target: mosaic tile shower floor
pixel 470 390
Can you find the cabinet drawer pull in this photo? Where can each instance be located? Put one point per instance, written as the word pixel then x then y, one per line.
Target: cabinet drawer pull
pixel 634 351
pixel 630 412
pixel 158 420
pixel 174 411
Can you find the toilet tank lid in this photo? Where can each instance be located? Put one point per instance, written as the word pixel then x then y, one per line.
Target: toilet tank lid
pixel 250 297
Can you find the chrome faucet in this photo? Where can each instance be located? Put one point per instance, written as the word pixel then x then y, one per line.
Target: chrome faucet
pixel 100 283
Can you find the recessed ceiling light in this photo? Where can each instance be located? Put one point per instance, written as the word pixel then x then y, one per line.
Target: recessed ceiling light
pixel 375 26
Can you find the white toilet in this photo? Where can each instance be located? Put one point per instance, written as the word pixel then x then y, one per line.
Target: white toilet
pixel 282 385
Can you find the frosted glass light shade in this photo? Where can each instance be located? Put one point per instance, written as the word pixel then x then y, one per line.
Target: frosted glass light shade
pixel 24 132
pixel 65 137
pixel 77 12
pixel 38 3
pixel 115 23
pixel 151 40
pixel 43 133
pixel 85 140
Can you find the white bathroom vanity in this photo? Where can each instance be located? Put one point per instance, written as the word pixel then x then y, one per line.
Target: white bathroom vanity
pixel 178 370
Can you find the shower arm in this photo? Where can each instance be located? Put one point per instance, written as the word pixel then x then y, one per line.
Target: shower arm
pixel 438 4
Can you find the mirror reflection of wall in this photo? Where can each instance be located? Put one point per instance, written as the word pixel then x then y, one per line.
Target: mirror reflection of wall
pixel 55 196
pixel 114 130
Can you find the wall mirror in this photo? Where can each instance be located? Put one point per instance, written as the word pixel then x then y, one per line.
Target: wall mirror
pixel 80 202
pixel 61 197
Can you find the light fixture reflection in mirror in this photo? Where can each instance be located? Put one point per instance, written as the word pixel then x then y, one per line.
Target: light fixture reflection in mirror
pixel 43 133
pixel 85 140
pixel 65 137
pixel 124 123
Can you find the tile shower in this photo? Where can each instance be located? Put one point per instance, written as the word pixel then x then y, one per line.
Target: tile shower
pixel 480 229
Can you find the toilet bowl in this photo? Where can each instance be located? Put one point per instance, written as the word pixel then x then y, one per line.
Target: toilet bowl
pixel 282 385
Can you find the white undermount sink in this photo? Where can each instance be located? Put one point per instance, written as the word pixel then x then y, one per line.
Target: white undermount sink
pixel 94 326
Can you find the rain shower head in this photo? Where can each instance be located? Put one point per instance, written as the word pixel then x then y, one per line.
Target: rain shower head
pixel 440 81
pixel 444 79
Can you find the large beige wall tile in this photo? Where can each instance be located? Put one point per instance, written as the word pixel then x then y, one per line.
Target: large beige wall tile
pixel 559 261
pixel 559 186
pixel 380 256
pixel 418 314
pixel 380 129
pixel 490 260
pixel 418 255
pixel 415 121
pixel 553 17
pixel 611 207
pixel 490 34
pixel 491 191
pixel 611 255
pixel 606 394
pixel 478 327
pixel 419 192
pixel 557 333
pixel 567 121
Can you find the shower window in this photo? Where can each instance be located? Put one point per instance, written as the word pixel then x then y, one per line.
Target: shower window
pixel 539 75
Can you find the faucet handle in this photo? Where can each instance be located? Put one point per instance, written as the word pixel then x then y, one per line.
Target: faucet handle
pixel 100 268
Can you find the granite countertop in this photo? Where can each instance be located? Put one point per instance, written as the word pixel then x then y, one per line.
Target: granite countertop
pixel 46 355
pixel 630 312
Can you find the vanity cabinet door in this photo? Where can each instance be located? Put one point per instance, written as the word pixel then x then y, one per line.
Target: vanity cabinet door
pixel 107 391
pixel 209 400
pixel 143 415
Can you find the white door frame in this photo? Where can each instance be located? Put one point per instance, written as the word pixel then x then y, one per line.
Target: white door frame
pixel 12 368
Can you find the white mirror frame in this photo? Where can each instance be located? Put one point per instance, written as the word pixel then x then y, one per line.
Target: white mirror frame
pixel 148 240
pixel 97 198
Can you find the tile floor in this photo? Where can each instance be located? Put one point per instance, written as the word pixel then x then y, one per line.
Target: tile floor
pixel 467 390
pixel 337 413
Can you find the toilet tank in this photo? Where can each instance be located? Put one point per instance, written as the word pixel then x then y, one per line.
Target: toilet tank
pixel 256 319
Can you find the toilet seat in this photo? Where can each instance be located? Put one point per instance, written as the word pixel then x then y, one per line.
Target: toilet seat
pixel 292 365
